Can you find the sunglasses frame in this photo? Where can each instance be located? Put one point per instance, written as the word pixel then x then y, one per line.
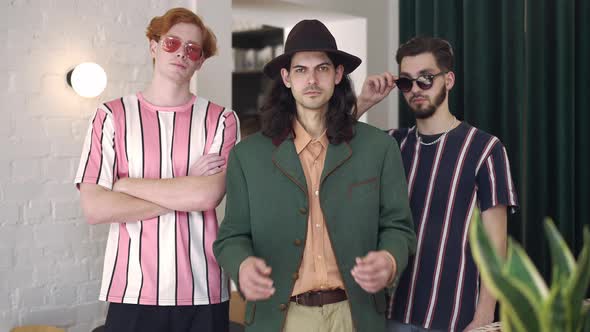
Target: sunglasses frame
pixel 422 85
pixel 187 46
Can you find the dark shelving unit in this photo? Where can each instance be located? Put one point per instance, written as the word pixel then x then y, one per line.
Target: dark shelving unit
pixel 249 85
pixel 258 38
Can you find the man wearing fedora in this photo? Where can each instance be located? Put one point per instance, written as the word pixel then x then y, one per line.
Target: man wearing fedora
pixel 317 220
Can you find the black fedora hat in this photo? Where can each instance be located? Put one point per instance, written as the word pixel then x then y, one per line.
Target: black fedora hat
pixel 310 36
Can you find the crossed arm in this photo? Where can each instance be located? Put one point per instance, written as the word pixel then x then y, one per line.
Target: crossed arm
pixel 138 199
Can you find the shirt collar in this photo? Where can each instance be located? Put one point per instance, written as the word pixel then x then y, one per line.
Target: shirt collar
pixel 302 138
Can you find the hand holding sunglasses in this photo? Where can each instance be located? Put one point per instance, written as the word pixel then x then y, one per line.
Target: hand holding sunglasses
pixel 424 82
pixel 378 86
pixel 375 88
pixel 192 50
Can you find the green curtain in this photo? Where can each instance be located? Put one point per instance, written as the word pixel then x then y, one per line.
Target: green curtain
pixel 582 116
pixel 522 75
pixel 488 42
pixel 557 152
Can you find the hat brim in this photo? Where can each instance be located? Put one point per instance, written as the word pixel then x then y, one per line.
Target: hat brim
pixel 273 68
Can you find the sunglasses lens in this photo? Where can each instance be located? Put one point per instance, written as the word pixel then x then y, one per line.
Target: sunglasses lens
pixel 424 82
pixel 193 52
pixel 404 84
pixel 170 44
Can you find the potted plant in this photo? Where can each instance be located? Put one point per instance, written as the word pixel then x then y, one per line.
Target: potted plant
pixel 526 302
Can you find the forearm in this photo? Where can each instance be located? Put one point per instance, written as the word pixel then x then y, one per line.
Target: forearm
pixel 486 306
pixel 393 264
pixel 495 224
pixel 362 106
pixel 101 206
pixel 375 88
pixel 187 193
pixel 400 247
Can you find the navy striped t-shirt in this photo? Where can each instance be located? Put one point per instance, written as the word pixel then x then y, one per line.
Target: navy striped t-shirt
pixel 446 181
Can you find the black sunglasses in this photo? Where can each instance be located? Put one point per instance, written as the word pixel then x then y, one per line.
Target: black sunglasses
pixel 424 82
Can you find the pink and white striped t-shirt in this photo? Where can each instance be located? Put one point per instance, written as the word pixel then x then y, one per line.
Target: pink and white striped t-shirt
pixel 167 260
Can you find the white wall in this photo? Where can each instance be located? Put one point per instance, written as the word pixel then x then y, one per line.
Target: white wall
pixel 350 35
pixel 214 79
pixel 50 259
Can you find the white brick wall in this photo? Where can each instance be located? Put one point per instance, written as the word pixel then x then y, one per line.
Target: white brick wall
pixel 50 259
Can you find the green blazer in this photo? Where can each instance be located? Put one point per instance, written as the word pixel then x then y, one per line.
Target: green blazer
pixel 364 198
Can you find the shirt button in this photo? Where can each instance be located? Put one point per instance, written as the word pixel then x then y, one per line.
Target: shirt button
pixel 302 210
pixel 297 242
pixel 317 225
pixel 295 276
pixel 282 307
pixel 319 256
pixel 317 192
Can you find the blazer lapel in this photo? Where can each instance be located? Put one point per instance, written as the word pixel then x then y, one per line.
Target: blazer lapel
pixel 287 161
pixel 335 157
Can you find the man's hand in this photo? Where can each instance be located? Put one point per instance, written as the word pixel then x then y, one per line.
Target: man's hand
pixel 375 88
pixel 373 271
pixel 206 165
pixel 479 321
pixel 254 279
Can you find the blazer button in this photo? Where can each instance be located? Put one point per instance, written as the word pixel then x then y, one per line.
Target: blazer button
pixel 282 307
pixel 295 276
pixel 303 210
pixel 297 242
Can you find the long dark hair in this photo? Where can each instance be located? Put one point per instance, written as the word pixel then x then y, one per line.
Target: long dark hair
pixel 279 111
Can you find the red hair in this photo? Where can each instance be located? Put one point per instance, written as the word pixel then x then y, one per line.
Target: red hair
pixel 160 25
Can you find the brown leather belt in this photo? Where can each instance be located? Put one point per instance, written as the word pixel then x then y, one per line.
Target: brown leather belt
pixel 319 298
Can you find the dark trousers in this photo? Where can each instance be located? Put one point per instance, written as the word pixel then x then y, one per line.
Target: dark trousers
pixel 149 318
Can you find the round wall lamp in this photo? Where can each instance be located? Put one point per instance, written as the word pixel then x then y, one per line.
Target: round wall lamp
pixel 87 79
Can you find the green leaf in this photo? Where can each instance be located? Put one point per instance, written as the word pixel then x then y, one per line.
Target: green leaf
pixel 585 319
pixel 577 285
pixel 553 314
pixel 562 259
pixel 584 323
pixel 520 267
pixel 505 319
pixel 516 297
pixel 526 302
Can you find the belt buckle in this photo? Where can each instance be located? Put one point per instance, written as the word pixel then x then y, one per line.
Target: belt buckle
pixel 298 297
pixel 305 298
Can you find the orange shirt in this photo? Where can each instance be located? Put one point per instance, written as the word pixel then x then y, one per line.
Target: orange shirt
pixel 318 270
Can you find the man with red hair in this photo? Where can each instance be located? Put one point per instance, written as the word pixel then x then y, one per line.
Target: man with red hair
pixel 153 168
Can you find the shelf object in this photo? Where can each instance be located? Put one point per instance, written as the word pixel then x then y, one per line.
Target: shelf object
pixel 252 49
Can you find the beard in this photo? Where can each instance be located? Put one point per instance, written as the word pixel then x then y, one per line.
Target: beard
pixel 426 111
